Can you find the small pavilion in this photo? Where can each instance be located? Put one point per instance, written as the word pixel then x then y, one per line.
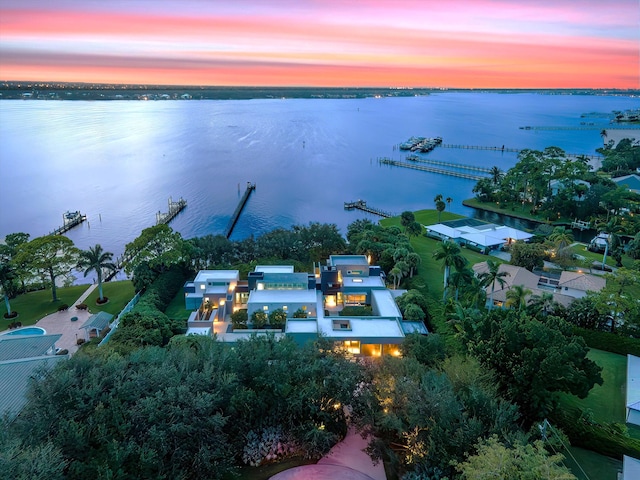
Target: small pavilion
pixel 95 324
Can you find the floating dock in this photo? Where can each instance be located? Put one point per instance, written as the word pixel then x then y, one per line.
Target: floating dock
pixel 69 220
pixel 362 205
pixel 174 209
pixel 423 168
pixel 243 201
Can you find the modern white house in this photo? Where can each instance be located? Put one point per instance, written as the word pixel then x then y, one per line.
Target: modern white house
pixel 312 303
pixel 565 289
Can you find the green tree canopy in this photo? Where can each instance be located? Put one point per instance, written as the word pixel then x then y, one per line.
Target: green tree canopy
pixel 52 256
pixel 533 358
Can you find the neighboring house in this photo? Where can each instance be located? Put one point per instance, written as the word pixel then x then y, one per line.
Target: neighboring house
pixel 345 280
pixel 22 359
pixel 566 289
pixel 630 468
pixel 632 182
pixel 482 237
pixel 633 389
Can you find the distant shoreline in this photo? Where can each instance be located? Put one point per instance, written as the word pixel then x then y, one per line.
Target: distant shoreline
pixel 81 91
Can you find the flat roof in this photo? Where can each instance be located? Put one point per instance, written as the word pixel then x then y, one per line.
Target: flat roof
pixel 414 327
pixel 274 268
pixel 282 296
pixel 386 305
pixel 630 468
pixel 369 282
pixel 199 331
pixel 98 320
pixel 15 378
pixel 13 347
pixel 348 260
pixel 301 325
pixel 362 328
pixel 220 275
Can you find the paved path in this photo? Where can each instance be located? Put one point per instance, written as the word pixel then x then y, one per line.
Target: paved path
pixel 345 461
pixel 60 323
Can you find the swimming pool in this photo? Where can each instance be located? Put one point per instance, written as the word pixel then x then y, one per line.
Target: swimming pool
pixel 27 331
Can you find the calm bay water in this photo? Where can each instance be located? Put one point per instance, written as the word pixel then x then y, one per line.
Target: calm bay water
pixel 119 161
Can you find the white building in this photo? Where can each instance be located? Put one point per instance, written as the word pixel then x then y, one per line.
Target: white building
pixel 312 303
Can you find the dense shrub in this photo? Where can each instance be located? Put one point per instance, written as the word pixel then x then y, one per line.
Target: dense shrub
pixel 278 318
pixel 239 319
pixel 356 311
pixel 609 342
pixel 82 306
pixel 300 313
pixel 63 307
pixel 258 319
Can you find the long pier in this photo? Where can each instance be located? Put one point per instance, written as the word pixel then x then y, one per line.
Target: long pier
pixel 480 147
pixel 174 209
pixel 415 158
pixel 469 176
pixel 243 201
pixel 362 205
pixel 69 220
pixel 581 127
pixel 515 150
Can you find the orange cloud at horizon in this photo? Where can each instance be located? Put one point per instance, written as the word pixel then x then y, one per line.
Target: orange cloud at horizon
pixel 282 49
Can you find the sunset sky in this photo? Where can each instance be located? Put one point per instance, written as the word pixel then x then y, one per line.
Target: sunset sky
pixel 355 43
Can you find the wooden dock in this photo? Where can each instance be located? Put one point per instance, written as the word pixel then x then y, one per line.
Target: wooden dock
pixel 69 220
pixel 362 205
pixel 581 225
pixel 581 127
pixel 423 168
pixel 174 209
pixel 480 147
pixel 236 215
pixel 515 150
pixel 415 158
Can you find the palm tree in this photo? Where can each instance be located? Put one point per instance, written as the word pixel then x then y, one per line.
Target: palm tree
pixel 496 175
pixel 543 304
pixel 440 206
pixel 95 259
pixel 449 200
pixel 414 260
pixel 396 273
pixel 561 238
pixel 460 279
pixel 438 198
pixel 7 275
pixel 517 296
pixel 451 255
pixel 492 276
pixel 611 228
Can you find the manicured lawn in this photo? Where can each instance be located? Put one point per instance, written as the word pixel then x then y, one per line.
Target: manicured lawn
pixel 424 217
pixel 119 294
pixel 176 309
pixel 33 306
pixel 607 401
pixel 595 465
pixel 513 209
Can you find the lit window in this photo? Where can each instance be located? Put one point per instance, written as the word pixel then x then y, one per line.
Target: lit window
pixel 304 307
pixel 265 308
pixel 284 307
pixel 202 286
pixel 357 280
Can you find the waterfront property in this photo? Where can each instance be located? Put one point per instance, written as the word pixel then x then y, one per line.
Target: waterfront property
pixel 312 303
pixel 632 182
pixel 477 235
pixel 565 287
pixel 23 357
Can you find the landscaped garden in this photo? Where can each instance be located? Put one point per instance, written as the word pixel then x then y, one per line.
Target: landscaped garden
pixel 33 306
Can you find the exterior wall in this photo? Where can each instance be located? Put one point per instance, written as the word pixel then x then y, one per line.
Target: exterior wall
pixel 310 308
pixel 633 416
pixel 572 292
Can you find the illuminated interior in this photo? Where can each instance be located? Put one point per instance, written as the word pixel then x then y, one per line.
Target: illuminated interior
pixel 352 346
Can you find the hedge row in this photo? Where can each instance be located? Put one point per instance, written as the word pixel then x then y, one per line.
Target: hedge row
pixel 608 439
pixel 162 291
pixel 609 342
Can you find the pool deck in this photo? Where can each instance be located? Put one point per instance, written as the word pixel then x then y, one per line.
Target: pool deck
pixel 60 323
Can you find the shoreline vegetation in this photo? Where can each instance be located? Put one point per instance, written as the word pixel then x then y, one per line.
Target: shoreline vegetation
pixel 513 210
pixel 82 91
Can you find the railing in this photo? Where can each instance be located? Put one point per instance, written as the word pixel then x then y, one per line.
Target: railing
pixel 128 307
